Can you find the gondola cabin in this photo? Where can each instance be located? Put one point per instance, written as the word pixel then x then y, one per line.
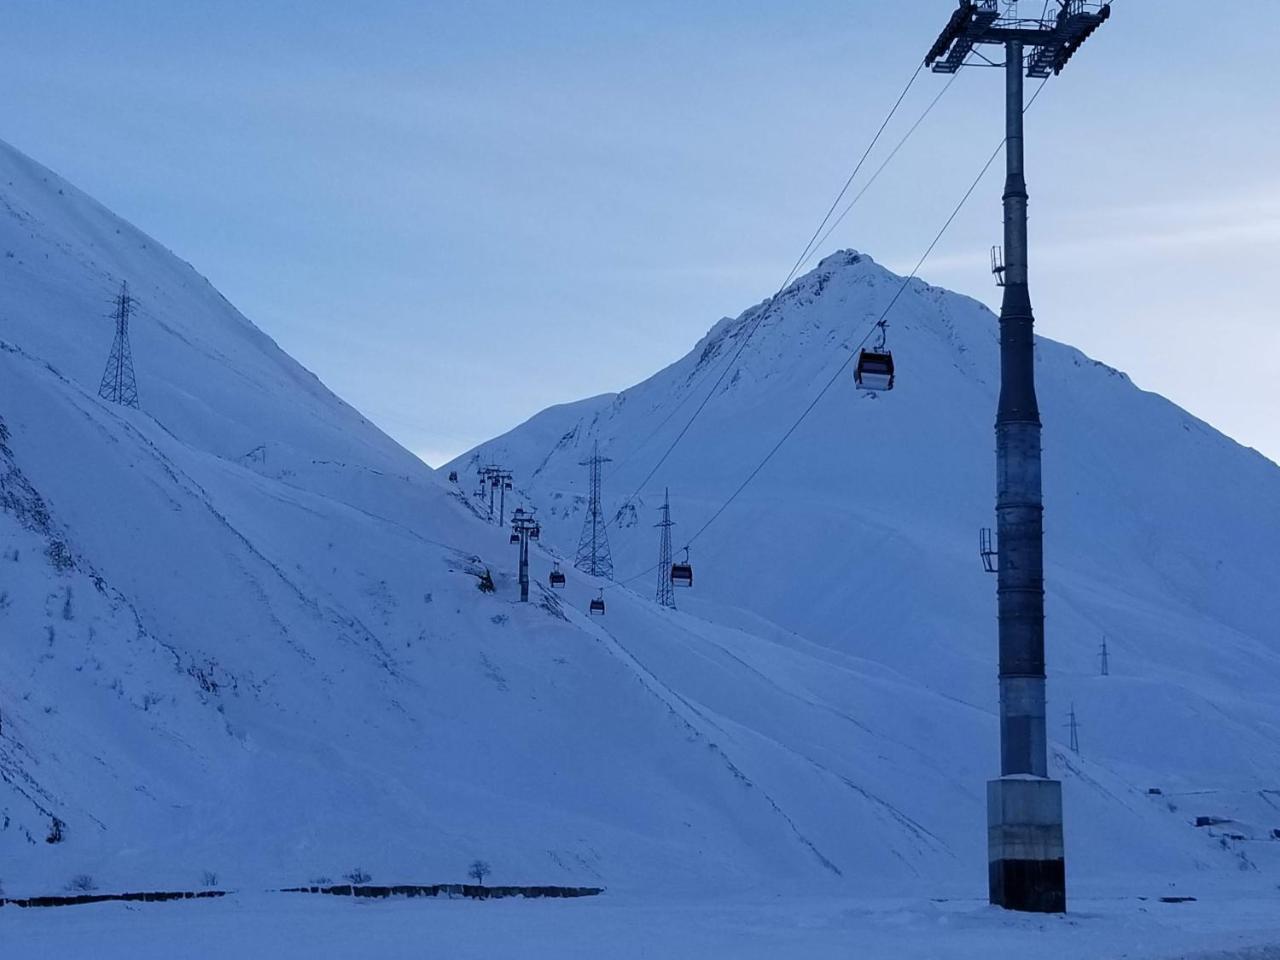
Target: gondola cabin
pixel 515 538
pixel 682 575
pixel 874 371
pixel 535 533
pixel 597 605
pixel 557 580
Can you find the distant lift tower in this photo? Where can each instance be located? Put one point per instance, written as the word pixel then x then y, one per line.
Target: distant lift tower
pixel 593 546
pixel 1026 864
pixel 486 486
pixel 495 478
pixel 118 384
pixel 523 529
pixel 501 481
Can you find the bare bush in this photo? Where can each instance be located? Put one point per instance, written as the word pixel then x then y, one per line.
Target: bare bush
pixel 81 883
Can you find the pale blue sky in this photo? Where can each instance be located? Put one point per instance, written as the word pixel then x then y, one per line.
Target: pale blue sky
pixel 457 213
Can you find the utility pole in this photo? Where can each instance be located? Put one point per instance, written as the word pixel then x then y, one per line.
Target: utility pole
pixel 523 529
pixel 666 590
pixel 1104 659
pixel 1026 856
pixel 118 384
pixel 593 546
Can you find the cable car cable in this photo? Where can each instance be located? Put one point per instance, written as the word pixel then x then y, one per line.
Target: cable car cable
pixel 879 170
pixel 845 363
pixel 841 368
pixel 814 248
pixel 772 301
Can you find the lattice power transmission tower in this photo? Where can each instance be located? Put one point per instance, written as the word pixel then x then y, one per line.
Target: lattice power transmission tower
pixel 666 590
pixel 118 384
pixel 1104 659
pixel 593 546
pixel 1026 865
pixel 1074 726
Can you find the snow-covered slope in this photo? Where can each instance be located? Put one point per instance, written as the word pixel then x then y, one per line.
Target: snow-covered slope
pixel 276 666
pixel 1163 536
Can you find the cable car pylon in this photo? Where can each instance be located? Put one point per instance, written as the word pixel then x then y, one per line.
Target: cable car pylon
pixel 524 527
pixel 1026 856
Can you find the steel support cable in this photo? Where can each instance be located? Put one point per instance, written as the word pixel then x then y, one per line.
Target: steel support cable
pixel 772 301
pixel 845 363
pixel 879 170
pixel 815 247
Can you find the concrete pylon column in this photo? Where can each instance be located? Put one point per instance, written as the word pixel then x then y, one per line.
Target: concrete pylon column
pixel 1026 867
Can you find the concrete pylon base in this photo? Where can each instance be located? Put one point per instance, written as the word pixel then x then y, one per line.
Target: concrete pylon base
pixel 1026 869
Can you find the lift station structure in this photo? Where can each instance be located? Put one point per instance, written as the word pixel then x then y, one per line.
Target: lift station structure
pixel 1026 864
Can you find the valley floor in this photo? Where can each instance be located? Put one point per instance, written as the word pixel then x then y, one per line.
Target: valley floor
pixel 285 927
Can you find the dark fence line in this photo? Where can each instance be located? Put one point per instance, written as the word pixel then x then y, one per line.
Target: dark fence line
pixel 471 890
pixel 151 896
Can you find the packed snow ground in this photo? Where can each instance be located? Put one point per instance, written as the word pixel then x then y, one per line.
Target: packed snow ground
pixel 241 634
pixel 758 927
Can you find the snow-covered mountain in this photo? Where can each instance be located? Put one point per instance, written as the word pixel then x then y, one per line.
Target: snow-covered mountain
pixel 241 630
pixel 861 536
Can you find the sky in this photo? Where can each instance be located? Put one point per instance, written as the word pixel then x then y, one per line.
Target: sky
pixel 460 212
